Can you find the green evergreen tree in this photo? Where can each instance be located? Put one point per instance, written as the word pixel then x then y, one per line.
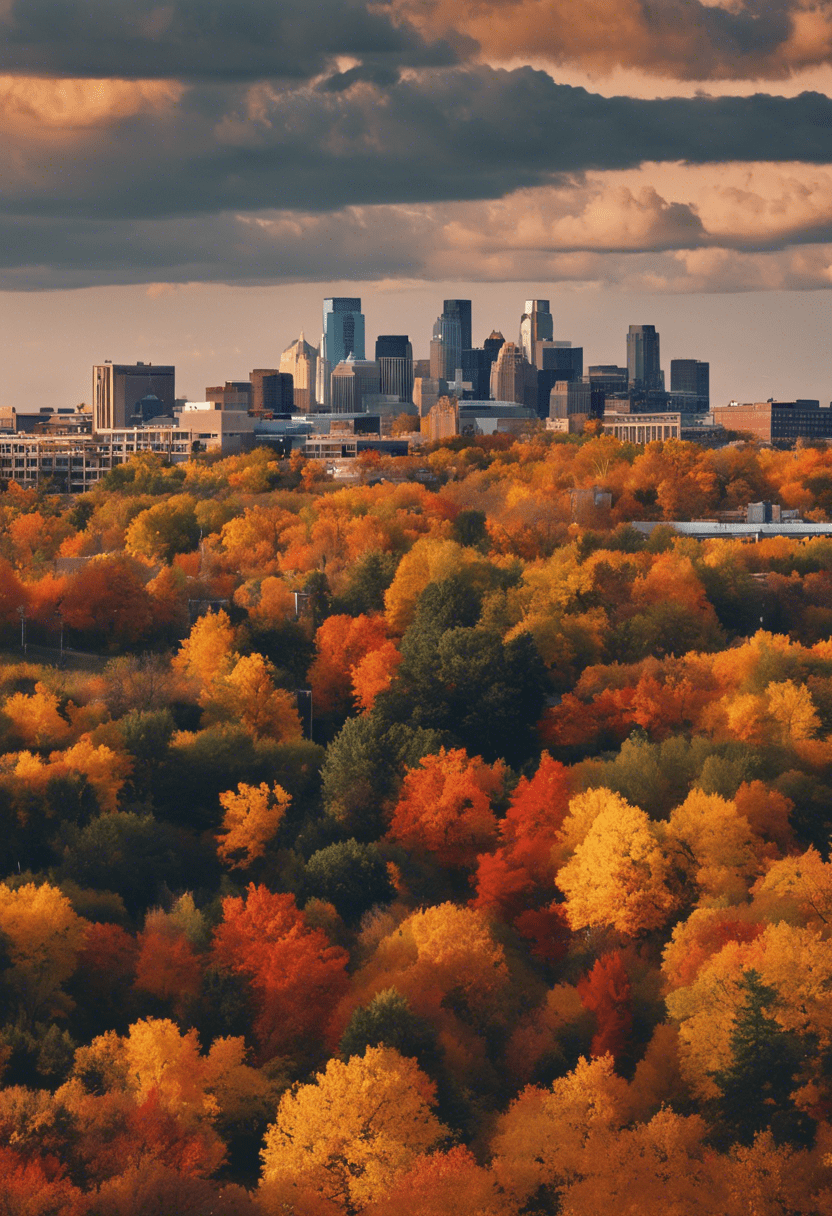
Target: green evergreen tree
pixel 388 1021
pixel 756 1088
pixel 351 876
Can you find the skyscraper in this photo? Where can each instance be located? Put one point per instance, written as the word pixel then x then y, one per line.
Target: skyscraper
pixel 690 376
pixel 460 310
pixel 556 362
pixel 394 356
pixel 476 368
pixel 448 332
pixel 352 381
pixel 643 362
pixel 298 361
pixel 493 344
pixel 536 325
pixel 513 378
pixel 343 329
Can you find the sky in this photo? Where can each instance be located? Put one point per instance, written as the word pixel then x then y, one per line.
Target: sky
pixel 184 182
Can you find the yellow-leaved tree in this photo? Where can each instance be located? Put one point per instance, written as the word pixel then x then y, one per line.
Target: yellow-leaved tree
pixel 343 1141
pixel 35 719
pixel 618 875
pixel 43 934
pixel 251 817
pixel 249 694
pixel 713 844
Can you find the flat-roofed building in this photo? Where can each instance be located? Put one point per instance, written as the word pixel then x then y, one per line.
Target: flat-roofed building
pixel 352 381
pixel 117 389
pixel 76 463
pixel 272 392
pixel 642 428
pixel 394 356
pixel 570 397
pixel 777 422
pixel 233 395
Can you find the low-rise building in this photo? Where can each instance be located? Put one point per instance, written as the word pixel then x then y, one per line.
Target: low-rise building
pixel 641 428
pixel 75 463
pixel 777 422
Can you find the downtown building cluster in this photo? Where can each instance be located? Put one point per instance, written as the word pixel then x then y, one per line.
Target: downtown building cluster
pixel 332 401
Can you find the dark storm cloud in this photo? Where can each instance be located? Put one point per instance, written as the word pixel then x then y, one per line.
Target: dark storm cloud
pixel 437 136
pixel 180 185
pixel 252 39
pixel 203 39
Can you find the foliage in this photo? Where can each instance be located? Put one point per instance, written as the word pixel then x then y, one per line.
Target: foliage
pixel 352 876
pixel 541 920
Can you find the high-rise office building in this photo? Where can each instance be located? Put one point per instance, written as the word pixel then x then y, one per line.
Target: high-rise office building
pixel 569 397
pixel 394 356
pixel 343 329
pixel 117 389
pixel 513 378
pixel 643 362
pixel 609 378
pixel 690 376
pixel 556 362
pixel 437 352
pixel 352 381
pixel 446 347
pixel 299 360
pixel 272 391
pixel 476 369
pixel 561 355
pixel 323 377
pixel 536 325
pixel 460 310
pixel 494 344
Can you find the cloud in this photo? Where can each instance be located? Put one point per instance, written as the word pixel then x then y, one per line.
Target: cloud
pixel 664 227
pixel 38 105
pixel 686 39
pixel 205 39
pixel 261 39
pixel 430 136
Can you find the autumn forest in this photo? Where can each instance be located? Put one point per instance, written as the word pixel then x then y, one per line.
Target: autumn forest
pixel 417 845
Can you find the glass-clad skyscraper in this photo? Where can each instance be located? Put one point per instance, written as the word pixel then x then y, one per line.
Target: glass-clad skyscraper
pixel 343 329
pixel 643 363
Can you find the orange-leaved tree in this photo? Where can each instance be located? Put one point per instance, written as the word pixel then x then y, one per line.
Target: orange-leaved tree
pixel 605 991
pixel 374 674
pixel 444 806
pixel 297 976
pixel 520 873
pixel 341 642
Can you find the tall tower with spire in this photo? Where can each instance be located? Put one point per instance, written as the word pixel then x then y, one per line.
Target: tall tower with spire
pixel 300 360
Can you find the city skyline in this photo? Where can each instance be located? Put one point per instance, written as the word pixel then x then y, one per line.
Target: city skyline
pixel 613 156
pixel 179 326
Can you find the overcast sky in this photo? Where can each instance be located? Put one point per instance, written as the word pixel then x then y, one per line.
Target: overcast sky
pixel 183 182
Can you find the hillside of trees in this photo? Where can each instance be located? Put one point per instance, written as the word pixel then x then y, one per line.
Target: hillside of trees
pixel 537 921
